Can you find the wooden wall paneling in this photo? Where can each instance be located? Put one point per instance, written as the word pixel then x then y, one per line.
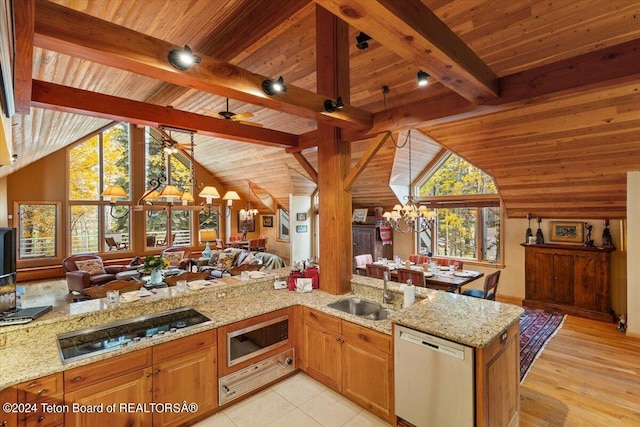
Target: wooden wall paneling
pixel 23 20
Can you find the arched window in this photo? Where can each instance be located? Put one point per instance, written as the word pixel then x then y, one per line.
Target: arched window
pixel 468 210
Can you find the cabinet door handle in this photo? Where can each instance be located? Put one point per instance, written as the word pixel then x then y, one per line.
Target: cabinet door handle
pixel 76 379
pixel 33 384
pixel 43 391
pixel 157 371
pixel 40 418
pixel 313 316
pixel 3 423
pixel 149 375
pixel 338 339
pixel 363 337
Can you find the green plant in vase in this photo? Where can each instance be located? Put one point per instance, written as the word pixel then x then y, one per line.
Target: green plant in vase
pixel 152 265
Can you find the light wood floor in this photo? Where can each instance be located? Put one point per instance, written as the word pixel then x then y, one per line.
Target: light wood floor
pixel 588 375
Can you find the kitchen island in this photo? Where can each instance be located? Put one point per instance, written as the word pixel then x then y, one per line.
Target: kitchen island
pixel 30 351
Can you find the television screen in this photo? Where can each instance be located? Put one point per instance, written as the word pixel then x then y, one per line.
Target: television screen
pixel 7 250
pixel 7 293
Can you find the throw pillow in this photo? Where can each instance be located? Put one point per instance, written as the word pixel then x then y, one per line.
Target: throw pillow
pixel 213 261
pixel 91 266
pixel 225 260
pixel 173 258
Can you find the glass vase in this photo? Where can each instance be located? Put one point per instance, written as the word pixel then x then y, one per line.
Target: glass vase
pixel 156 277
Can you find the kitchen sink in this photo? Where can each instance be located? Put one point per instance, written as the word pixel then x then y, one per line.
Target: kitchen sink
pixel 356 306
pixel 380 314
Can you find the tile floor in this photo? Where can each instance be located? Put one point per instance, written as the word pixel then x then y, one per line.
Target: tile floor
pixel 296 401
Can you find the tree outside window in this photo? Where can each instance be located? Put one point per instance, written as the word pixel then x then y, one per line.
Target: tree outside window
pixel 470 232
pixel 94 164
pixel 38 225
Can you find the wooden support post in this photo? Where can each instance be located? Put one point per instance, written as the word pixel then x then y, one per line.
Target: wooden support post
pixel 334 156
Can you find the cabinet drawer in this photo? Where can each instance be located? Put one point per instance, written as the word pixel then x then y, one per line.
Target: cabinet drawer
pixel 181 346
pixel 44 419
pixel 41 388
pixel 84 376
pixel 366 336
pixel 321 319
pixel 499 344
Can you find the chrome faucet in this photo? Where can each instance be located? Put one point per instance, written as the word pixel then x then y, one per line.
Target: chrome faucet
pixel 387 298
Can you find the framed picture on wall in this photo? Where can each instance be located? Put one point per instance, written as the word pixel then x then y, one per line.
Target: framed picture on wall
pixel 246 225
pixel 267 221
pixel 567 231
pixel 360 215
pixel 301 228
pixel 301 216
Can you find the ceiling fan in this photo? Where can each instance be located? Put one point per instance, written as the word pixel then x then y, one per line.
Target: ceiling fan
pixel 229 115
pixel 167 143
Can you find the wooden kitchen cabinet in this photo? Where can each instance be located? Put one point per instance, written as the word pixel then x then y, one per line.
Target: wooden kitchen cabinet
pixel 120 380
pixel 168 373
pixel 185 370
pixel 9 395
pixel 45 392
pixel 350 359
pixel 569 279
pixel 366 240
pixel 498 380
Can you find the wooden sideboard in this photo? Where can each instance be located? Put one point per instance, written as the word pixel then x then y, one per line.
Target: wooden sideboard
pixel 569 279
pixel 366 240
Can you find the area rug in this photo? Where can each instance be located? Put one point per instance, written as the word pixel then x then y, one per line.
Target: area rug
pixel 537 327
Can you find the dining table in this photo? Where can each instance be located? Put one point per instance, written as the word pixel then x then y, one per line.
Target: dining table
pixel 445 280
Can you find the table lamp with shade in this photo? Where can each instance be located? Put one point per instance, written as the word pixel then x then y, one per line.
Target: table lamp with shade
pixel 208 236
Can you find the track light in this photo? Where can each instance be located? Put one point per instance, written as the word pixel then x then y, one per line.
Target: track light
pixel 330 106
pixel 271 87
pixel 423 78
pixel 361 41
pixel 183 59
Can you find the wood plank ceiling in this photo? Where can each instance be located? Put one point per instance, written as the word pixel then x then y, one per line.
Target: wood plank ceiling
pixel 558 139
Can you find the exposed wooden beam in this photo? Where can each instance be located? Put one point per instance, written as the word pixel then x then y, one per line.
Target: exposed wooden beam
pixel 23 20
pixel 411 30
pixel 79 35
pixel 78 101
pixel 364 160
pixel 224 43
pixel 611 66
pixel 308 167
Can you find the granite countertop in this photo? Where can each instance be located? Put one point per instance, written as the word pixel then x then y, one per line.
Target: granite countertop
pixel 31 351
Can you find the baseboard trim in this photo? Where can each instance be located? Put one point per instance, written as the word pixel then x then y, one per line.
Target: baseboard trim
pixel 509 299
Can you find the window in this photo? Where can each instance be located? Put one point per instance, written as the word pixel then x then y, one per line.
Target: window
pixel 467 225
pixel 283 225
pixel 95 163
pixel 172 226
pixel 38 225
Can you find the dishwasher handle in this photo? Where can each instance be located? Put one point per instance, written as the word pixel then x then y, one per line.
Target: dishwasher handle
pixel 426 343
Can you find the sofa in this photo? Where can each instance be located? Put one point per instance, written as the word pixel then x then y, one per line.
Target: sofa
pixel 233 261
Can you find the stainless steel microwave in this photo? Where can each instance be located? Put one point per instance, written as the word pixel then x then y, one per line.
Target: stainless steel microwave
pixel 247 343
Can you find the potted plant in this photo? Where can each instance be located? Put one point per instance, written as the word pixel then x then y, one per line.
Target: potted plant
pixel 153 264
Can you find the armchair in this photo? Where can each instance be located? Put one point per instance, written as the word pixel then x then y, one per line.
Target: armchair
pixel 178 256
pixel 86 270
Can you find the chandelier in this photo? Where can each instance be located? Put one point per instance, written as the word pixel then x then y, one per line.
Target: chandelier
pixel 412 217
pixel 171 193
pixel 249 213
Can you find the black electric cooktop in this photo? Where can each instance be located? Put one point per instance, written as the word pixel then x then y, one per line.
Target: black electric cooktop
pixel 90 342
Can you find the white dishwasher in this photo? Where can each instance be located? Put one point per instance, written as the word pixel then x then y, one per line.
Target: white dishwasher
pixel 434 380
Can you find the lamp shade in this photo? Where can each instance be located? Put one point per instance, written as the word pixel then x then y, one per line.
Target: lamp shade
pixel 231 195
pixel 113 192
pixel 208 235
pixel 171 192
pixel 209 193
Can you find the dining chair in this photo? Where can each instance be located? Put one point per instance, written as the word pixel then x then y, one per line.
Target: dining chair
pixel 416 277
pixel 490 288
pixel 361 261
pixel 378 271
pixel 219 244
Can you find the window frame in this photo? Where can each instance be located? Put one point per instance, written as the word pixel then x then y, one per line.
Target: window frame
pixel 102 205
pixel 34 261
pixel 470 201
